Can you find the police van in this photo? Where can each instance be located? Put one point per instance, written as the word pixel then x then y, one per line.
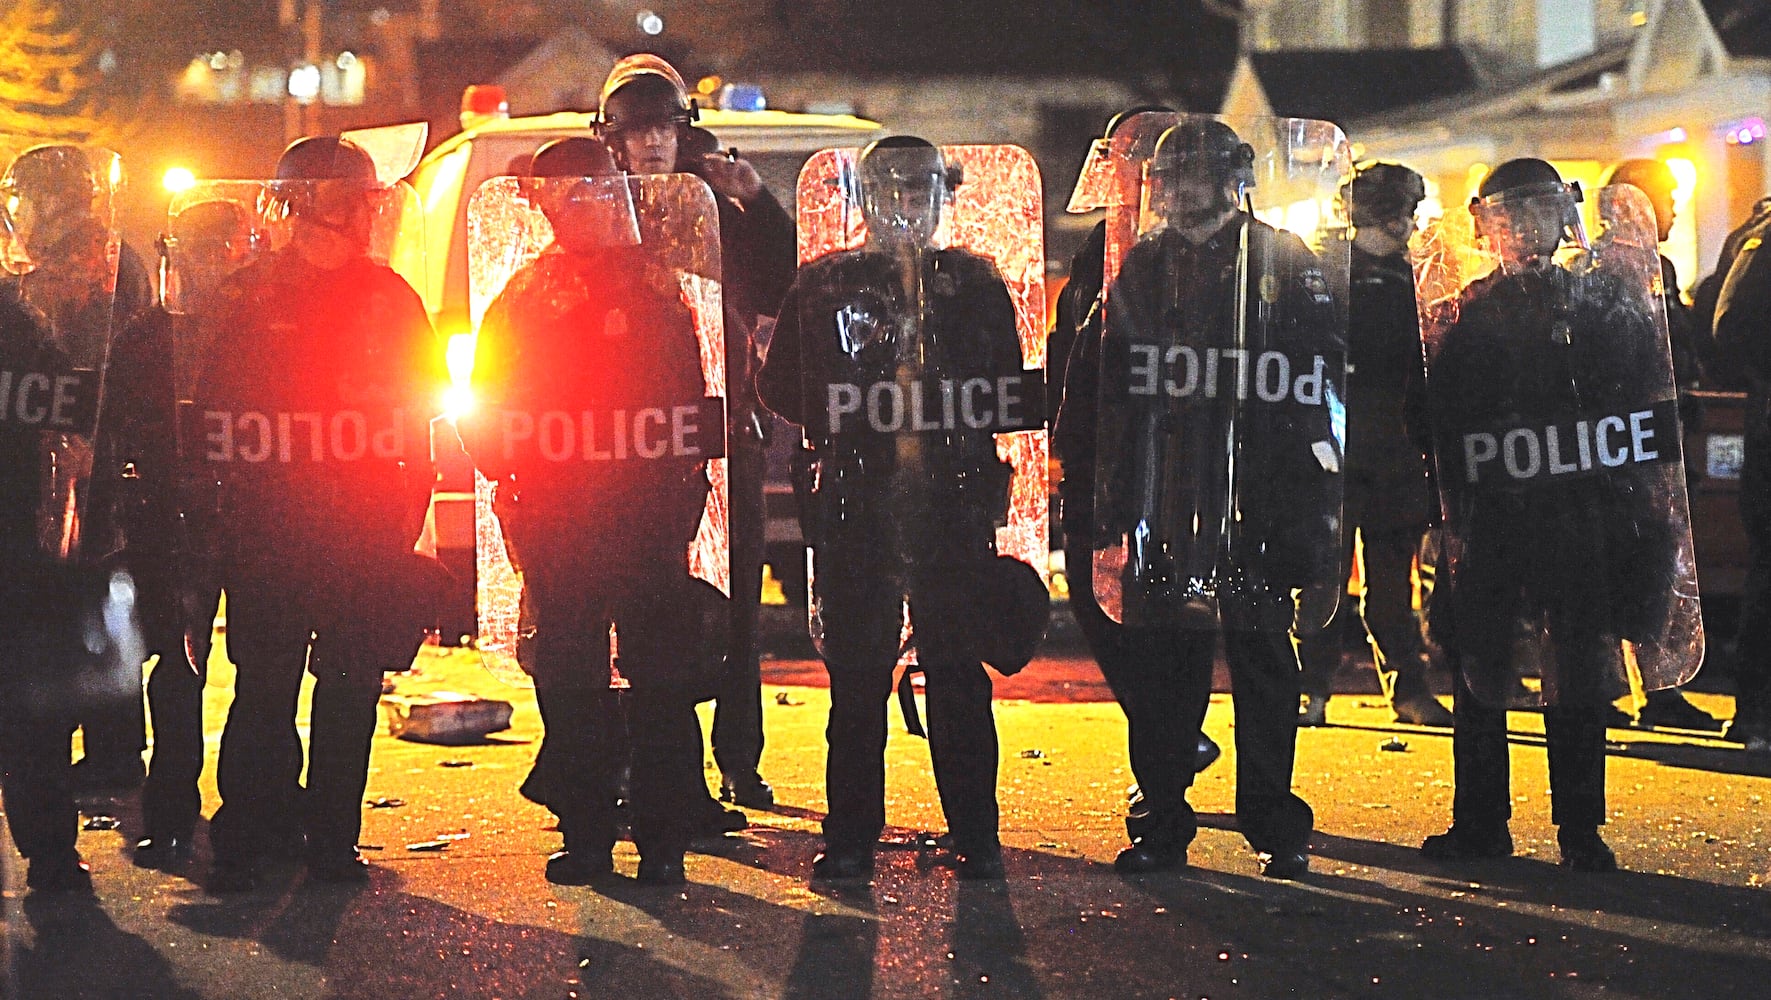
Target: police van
pixel 776 143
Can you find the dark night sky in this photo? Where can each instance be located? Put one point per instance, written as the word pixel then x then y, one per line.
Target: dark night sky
pixel 1145 40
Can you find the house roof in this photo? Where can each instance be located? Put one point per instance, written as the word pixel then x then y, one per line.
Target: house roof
pixel 1743 25
pixel 1345 85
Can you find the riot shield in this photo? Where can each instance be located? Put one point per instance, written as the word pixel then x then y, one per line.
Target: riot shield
pixel 396 149
pixel 60 250
pixel 600 383
pixel 1222 411
pixel 72 615
pixel 307 441
pixel 1095 181
pixel 1568 560
pixel 921 397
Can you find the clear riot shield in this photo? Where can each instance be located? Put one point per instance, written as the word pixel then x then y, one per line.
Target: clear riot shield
pixel 307 439
pixel 60 248
pixel 60 245
pixel 1568 559
pixel 1222 411
pixel 600 384
pixel 920 346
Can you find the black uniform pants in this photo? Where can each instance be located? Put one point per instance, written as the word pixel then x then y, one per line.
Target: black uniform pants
pixel 1574 733
pixel 1386 606
pixel 1752 658
pixel 273 635
pixel 36 745
pixel 738 712
pixel 48 686
pixel 862 614
pixel 1162 679
pixel 170 800
pixel 585 739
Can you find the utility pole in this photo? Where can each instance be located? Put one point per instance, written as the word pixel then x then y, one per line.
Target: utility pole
pixel 291 108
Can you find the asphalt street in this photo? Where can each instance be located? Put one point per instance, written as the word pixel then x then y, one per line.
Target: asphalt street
pixel 457 906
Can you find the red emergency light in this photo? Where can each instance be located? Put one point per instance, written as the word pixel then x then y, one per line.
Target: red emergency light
pixel 481 101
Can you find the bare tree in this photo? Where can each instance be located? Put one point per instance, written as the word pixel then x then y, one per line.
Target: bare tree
pixel 48 73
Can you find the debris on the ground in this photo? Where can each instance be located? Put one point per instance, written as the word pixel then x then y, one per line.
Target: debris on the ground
pixel 101 822
pixel 1032 754
pixel 385 803
pixel 1393 745
pixel 429 845
pixel 445 717
pixel 454 763
pixel 782 698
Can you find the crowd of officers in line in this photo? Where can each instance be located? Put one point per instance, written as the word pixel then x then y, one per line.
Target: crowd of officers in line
pixel 321 577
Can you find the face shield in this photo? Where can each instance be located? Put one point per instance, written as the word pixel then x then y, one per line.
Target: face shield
pixel 902 193
pixel 1191 193
pixel 208 241
pixel 1527 224
pixel 587 214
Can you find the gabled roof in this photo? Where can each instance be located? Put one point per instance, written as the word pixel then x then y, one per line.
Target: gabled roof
pixel 1344 85
pixel 1744 26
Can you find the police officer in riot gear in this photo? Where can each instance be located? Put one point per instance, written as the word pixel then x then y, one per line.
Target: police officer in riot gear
pixel 1388 497
pixel 1121 653
pixel 314 404
pixel 594 325
pixel 49 195
pixel 1530 345
pixel 1739 299
pixel 646 117
pixel 55 330
pixel 1691 345
pixel 898 515
pixel 168 521
pixel 1184 280
pixel 39 708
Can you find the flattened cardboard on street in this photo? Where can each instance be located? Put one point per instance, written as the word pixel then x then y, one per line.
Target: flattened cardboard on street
pixel 444 716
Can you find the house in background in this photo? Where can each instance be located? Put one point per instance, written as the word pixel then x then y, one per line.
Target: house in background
pixel 1454 88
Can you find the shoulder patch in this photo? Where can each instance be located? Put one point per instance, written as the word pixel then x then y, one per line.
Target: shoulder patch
pixel 1317 285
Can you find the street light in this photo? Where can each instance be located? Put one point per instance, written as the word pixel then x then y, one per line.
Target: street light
pixel 304 82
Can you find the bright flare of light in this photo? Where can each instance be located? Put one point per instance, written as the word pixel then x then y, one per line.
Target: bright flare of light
pixel 1681 242
pixel 178 180
pixel 458 400
pixel 650 23
pixel 1685 172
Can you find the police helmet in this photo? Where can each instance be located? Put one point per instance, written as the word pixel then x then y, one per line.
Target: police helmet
pixel 1651 176
pixel 574 156
pixel 216 229
pixel 1524 176
pixel 325 158
pixel 651 91
pixel 876 161
pixel 586 215
pixel 204 239
pixel 1204 146
pixel 1383 190
pixel 54 170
